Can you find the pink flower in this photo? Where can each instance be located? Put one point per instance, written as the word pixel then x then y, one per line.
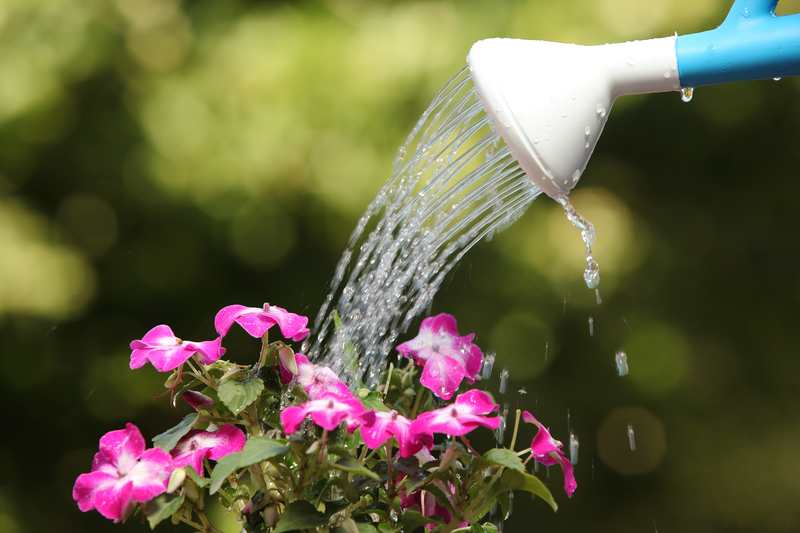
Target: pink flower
pixel 123 473
pixel 460 417
pixel 377 427
pixel 199 445
pixel 166 352
pixel 257 320
pixel 446 357
pixel 428 505
pixel 548 451
pixel 327 412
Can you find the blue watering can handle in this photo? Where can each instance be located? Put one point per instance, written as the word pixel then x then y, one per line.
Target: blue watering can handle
pixel 752 43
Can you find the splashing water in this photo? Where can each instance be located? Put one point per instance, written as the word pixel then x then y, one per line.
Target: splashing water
pixel 621 362
pixel 591 274
pixel 574 447
pixel 687 93
pixel 631 438
pixel 454 183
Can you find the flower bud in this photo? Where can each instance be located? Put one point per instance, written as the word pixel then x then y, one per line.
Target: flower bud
pixel 270 515
pixel 197 400
pixel 176 480
pixel 287 360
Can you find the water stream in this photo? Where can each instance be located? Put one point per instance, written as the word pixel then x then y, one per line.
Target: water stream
pixel 454 183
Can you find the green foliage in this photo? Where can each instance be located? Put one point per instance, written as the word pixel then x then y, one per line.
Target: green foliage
pixel 169 439
pixel 300 515
pixel 256 449
pixel 238 395
pixel 161 508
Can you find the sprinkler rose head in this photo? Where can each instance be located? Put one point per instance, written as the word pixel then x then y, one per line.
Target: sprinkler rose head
pixel 549 101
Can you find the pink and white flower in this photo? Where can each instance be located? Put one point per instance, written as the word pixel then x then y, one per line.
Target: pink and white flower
pixel 315 380
pixel 377 427
pixel 327 412
pixel 548 451
pixel 123 473
pixel 256 321
pixel 447 358
pixel 197 446
pixel 459 418
pixel 428 506
pixel 166 352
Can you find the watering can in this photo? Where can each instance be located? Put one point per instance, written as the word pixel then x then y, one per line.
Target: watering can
pixel 550 101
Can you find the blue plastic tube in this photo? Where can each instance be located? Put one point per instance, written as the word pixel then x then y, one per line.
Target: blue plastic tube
pixel 752 43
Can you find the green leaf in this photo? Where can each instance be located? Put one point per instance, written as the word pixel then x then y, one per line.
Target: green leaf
pixel 504 457
pixel 300 515
pixel 169 439
pixel 514 480
pixel 350 465
pixel 237 395
pixel 371 399
pixel 256 449
pixel 161 508
pixel 366 528
pixel 413 520
pixel 201 482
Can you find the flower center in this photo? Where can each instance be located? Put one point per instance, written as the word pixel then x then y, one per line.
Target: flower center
pixel 330 404
pixel 454 412
pixel 394 415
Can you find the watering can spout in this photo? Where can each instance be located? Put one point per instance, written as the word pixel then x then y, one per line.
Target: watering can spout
pixel 550 101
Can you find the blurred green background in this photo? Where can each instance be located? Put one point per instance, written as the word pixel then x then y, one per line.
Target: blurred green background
pixel 160 159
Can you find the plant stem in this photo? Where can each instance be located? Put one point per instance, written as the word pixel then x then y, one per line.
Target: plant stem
pixel 421 391
pixel 388 379
pixel 262 354
pixel 516 429
pixel 389 470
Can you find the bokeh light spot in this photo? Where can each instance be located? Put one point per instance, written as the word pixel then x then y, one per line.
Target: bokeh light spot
pixel 658 356
pixel 524 344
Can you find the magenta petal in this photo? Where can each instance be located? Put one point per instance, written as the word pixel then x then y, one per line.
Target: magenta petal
pixel 150 475
pixel 161 334
pixel 207 351
pixel 442 375
pixel 292 417
pixel 225 317
pixel 113 501
pixel 193 458
pixel 168 359
pixel 375 429
pixel 138 357
pixel 480 402
pixel 473 359
pixel 570 485
pixel 292 325
pixel 228 439
pixel 123 447
pixel 86 485
pixel 441 323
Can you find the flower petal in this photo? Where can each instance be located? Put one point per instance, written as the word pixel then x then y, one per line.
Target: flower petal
pixel 168 359
pixel 123 447
pixel 479 402
pixel 114 501
pixel 229 439
pixel 197 400
pixel 86 485
pixel 161 334
pixel 292 325
pixel 207 351
pixel 193 458
pixel 225 317
pixel 149 477
pixel 292 417
pixel 442 375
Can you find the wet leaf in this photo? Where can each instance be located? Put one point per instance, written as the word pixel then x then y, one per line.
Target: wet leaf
pixel 350 465
pixel 256 449
pixel 169 439
pixel 504 457
pixel 514 480
pixel 161 508
pixel 300 515
pixel 237 395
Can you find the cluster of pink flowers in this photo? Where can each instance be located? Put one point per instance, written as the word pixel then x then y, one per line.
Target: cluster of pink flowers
pixel 447 359
pixel 124 472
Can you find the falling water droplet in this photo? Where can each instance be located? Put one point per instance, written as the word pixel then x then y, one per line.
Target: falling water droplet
pixel 631 438
pixel 501 428
pixel 522 391
pixel 574 445
pixel 597 297
pixel 503 381
pixel 746 12
pixel 488 365
pixel 777 79
pixel 510 505
pixel 591 326
pixel 591 274
pixel 687 93
pixel 621 360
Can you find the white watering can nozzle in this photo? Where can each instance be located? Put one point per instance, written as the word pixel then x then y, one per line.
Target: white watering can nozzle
pixel 549 101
